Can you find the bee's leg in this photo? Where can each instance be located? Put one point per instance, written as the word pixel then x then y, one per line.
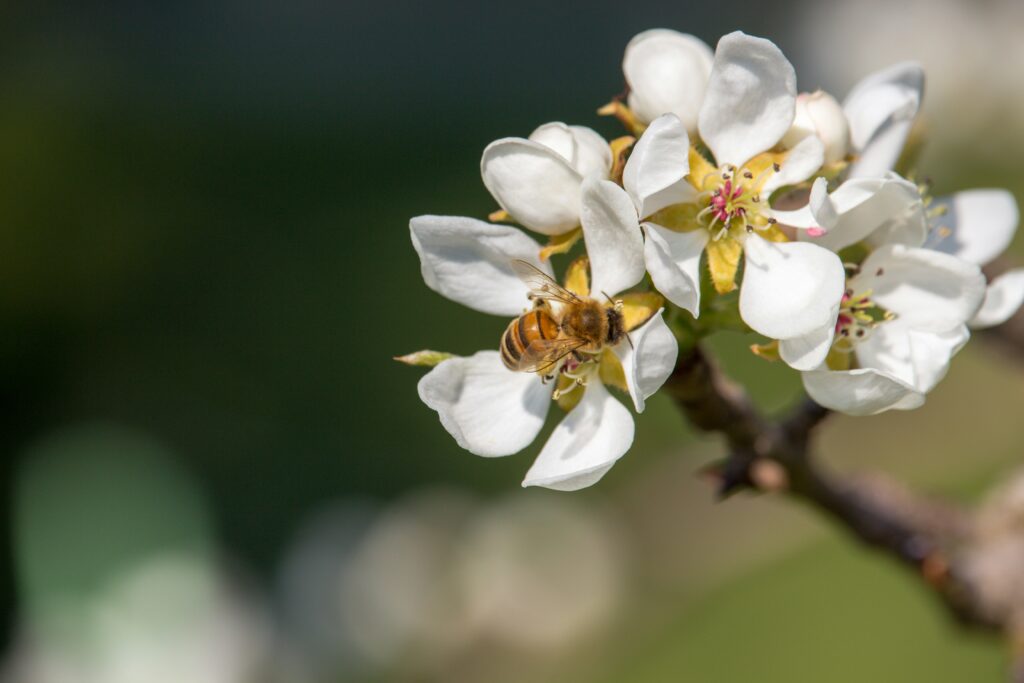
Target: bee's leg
pixel 630 340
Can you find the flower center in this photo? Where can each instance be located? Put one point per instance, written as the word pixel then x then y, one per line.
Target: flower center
pixel 731 199
pixel 859 315
pixel 575 371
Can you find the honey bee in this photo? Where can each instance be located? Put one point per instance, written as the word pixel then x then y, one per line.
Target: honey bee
pixel 538 339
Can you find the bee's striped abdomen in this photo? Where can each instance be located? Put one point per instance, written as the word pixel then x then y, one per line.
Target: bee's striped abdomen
pixel 535 324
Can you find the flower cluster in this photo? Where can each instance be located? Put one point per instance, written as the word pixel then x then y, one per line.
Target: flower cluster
pixel 729 179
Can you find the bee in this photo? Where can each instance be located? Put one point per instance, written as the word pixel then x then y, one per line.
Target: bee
pixel 560 323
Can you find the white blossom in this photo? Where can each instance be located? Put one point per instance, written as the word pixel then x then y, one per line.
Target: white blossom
pixel 538 180
pixel 493 411
pixel 790 290
pixel 667 73
pixel 903 318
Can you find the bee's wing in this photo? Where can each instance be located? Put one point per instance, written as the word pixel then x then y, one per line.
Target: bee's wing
pixel 542 354
pixel 541 284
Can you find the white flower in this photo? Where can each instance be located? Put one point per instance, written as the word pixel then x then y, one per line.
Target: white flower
pixel 492 411
pixel 538 180
pixel 667 73
pixel 977 226
pixel 881 111
pixel 820 115
pixel 686 206
pixel 902 319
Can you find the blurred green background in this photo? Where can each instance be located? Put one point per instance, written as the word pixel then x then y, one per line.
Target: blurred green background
pixel 213 470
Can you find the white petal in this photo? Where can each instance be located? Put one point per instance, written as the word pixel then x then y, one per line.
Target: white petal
pixel 593 155
pixel 809 351
pixel 585 150
pixel 750 100
pixel 926 289
pixel 586 443
pixel 881 110
pixel 654 174
pixel 557 137
pixel 982 224
pixel 650 360
pixel 469 261
pixel 888 350
pixel 819 114
pixel 819 213
pixel 917 358
pixel 801 163
pixel 673 261
pixel 667 72
pixel 789 289
pixel 931 353
pixel 1003 297
pixel 885 209
pixel 864 391
pixel 490 410
pixel 534 183
pixel 615 244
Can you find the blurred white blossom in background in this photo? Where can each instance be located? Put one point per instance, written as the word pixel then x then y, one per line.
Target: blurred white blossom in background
pixel 972 53
pixel 169 620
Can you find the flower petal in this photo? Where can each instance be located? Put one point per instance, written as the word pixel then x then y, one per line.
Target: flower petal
pixel 490 410
pixel 931 353
pixel 981 223
pixel 799 164
pixel 917 358
pixel 809 351
pixel 585 150
pixel 673 261
pixel 887 350
pixel 819 114
pixel 469 261
pixel 926 289
pixel 1003 297
pixel 615 244
pixel 881 110
pixel 667 72
pixel 534 183
pixel 557 137
pixel 654 174
pixel 750 100
pixel 883 209
pixel 790 289
pixel 585 444
pixel 593 153
pixel 864 391
pixel 649 361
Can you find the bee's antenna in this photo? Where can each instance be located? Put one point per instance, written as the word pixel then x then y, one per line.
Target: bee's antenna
pixel 610 300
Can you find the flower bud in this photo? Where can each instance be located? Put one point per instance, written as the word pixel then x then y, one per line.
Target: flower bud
pixel 819 114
